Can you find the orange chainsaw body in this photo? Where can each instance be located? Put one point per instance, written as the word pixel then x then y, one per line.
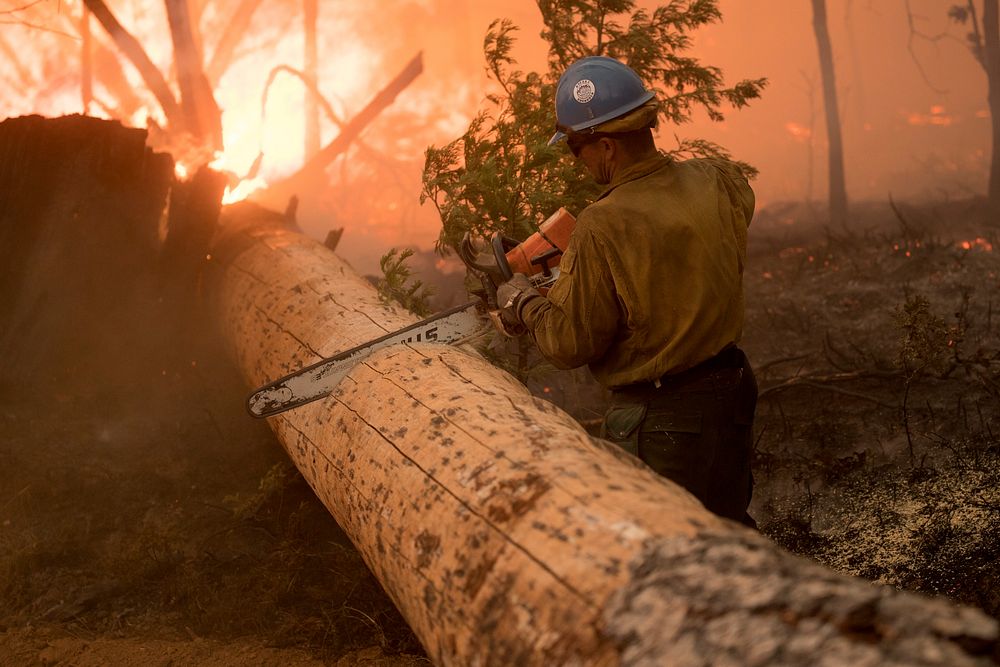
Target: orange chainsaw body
pixel 551 239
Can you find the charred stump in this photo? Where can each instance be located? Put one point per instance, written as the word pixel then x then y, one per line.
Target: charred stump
pixel 80 207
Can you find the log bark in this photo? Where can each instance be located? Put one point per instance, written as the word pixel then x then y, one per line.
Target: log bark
pixel 502 531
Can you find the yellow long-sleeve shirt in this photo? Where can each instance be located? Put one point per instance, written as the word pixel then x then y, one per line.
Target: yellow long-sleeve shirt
pixel 652 280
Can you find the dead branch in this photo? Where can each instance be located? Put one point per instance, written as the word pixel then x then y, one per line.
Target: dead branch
pixel 314 168
pixel 764 367
pixel 825 382
pixel 236 27
pixel 201 113
pixel 109 72
pixel 854 394
pixel 933 39
pixel 133 50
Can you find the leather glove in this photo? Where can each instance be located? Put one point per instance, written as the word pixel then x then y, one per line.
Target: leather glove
pixel 511 297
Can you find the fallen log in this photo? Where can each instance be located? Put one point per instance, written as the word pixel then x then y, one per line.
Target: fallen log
pixel 502 531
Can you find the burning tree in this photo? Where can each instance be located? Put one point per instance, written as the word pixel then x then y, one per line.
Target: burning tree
pixel 502 176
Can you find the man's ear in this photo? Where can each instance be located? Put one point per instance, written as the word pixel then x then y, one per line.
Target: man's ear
pixel 609 146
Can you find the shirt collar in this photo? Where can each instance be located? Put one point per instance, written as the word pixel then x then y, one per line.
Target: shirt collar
pixel 636 171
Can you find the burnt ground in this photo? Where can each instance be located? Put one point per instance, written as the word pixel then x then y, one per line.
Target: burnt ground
pixel 145 519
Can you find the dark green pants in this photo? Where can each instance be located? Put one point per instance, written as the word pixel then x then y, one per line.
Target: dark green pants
pixel 695 429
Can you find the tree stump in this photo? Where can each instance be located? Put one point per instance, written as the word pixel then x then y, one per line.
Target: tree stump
pixel 80 206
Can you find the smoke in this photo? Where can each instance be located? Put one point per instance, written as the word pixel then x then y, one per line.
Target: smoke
pixel 915 119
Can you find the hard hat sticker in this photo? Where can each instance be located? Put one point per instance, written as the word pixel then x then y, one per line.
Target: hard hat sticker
pixel 584 91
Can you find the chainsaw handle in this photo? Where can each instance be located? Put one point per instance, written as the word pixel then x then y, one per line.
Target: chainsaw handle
pixel 501 246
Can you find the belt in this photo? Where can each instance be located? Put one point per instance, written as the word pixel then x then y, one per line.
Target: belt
pixel 731 357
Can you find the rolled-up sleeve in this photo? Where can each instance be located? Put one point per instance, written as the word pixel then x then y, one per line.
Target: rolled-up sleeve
pixel 578 319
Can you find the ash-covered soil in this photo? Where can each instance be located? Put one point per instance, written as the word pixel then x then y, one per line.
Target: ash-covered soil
pixel 146 519
pixel 877 349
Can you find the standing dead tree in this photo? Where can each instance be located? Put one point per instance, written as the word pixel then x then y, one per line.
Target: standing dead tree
pixel 985 45
pixel 201 113
pixel 838 189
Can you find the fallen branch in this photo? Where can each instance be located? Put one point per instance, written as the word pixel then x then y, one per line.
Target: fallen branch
pixel 824 382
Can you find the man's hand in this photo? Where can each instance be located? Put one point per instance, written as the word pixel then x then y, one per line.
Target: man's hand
pixel 511 296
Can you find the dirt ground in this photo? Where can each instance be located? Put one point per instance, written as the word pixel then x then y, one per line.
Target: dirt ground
pixel 146 519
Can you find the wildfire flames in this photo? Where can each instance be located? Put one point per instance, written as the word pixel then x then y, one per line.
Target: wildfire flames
pixel 56 58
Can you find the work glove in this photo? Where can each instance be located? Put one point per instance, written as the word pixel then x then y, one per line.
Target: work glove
pixel 511 297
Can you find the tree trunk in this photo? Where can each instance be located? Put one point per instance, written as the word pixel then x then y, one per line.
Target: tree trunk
pixel 310 68
pixel 130 46
pixel 502 531
pixel 991 62
pixel 108 68
pixel 838 191
pixel 201 114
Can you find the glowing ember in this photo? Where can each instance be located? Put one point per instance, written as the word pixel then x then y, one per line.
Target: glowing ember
pixel 937 116
pixel 798 132
pixel 979 243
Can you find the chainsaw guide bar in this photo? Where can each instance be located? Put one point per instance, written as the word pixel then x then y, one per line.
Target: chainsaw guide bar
pixel 318 380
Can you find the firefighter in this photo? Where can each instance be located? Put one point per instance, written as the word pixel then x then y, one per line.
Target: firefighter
pixel 650 294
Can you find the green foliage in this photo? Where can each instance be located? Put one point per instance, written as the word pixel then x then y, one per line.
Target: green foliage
pixel 397 284
pixel 502 176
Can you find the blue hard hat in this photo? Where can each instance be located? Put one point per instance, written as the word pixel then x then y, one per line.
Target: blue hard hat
pixel 594 90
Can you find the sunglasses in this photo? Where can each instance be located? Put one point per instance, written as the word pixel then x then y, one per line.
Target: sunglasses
pixel 576 142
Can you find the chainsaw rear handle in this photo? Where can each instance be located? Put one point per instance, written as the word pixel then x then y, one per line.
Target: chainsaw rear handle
pixel 501 246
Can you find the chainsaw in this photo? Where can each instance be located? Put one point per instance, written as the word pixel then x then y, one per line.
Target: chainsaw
pixel 537 257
